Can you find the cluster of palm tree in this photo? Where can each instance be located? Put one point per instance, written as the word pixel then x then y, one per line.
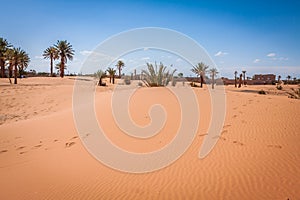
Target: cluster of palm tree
pixel 61 51
pixel 201 69
pixel 14 58
pixel 158 76
pixel 241 81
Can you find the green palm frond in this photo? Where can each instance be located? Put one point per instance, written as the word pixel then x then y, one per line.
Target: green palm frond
pixel 157 77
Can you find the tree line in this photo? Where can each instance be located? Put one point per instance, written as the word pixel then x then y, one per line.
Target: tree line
pixel 14 59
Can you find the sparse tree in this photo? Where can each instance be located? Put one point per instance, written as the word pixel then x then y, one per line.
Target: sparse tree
pixel 213 74
pixel 4 46
pixel 244 76
pixel 240 80
pixel 120 64
pixel 65 52
pixel 235 78
pixel 288 79
pixel 111 71
pixel 20 60
pixel 200 69
pixel 52 54
pixel 99 74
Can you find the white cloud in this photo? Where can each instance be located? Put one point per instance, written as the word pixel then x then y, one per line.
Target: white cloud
pixel 256 60
pixel 271 55
pixel 146 48
pixel 145 58
pixel 220 53
pixel 85 52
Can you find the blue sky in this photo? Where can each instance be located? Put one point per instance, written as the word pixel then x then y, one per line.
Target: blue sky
pixel 258 36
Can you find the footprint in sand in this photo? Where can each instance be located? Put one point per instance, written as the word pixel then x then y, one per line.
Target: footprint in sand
pixel 220 137
pixel 22 152
pixel 3 151
pixel 227 125
pixel 202 135
pixel 37 146
pixel 69 144
pixel 20 148
pixel 239 143
pixel 55 140
pixel 225 131
pixel 234 116
pixel 275 146
pixel 74 137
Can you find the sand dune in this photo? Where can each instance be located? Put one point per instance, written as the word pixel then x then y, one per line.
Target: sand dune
pixel 41 156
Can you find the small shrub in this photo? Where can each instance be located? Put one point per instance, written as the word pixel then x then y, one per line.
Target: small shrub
pixel 140 84
pixel 261 92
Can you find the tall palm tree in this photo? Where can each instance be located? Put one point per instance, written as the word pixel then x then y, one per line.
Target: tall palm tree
pixel 200 69
pixel 213 73
pixel 24 61
pixel 99 74
pixel 111 71
pixel 9 59
pixel 52 54
pixel 279 77
pixel 240 80
pixel 235 78
pixel 120 65
pixel 244 76
pixel 288 79
pixel 20 60
pixel 4 45
pixel 65 52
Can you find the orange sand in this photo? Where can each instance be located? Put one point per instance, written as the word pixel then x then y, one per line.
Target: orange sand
pixel 41 156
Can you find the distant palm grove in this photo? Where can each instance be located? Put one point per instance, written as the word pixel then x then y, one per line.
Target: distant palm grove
pixel 14 60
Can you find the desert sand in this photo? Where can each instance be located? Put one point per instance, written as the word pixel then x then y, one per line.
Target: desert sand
pixel 41 156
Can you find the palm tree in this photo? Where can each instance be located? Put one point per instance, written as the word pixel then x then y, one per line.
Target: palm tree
pixel 156 78
pixel 65 52
pixel 244 75
pixel 20 60
pixel 213 73
pixel 120 65
pixel 24 61
pixel 235 78
pixel 288 79
pixel 200 69
pixel 240 80
pixel 52 54
pixel 9 58
pixel 99 74
pixel 111 71
pixel 4 45
pixel 279 77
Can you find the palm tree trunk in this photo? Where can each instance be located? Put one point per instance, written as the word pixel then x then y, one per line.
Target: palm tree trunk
pixel 16 73
pixel 2 68
pixel 62 67
pixel 240 80
pixel 235 82
pixel 113 79
pixel 51 66
pixel 213 82
pixel 119 72
pixel 201 81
